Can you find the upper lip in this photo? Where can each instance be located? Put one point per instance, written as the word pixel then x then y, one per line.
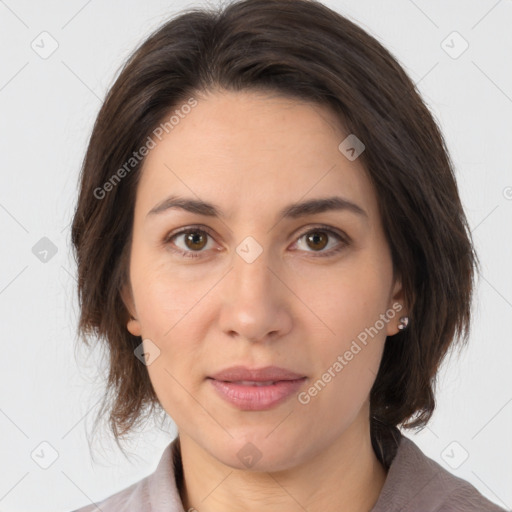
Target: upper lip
pixel 268 373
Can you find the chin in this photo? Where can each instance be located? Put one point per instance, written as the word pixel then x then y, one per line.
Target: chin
pixel 258 452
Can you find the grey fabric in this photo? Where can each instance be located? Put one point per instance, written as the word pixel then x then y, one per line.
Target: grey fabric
pixel 415 483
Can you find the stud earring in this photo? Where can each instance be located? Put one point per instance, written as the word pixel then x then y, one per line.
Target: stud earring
pixel 404 321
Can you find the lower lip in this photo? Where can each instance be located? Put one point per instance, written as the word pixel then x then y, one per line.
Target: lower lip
pixel 256 398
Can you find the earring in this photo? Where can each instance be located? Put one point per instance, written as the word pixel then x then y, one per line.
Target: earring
pixel 404 321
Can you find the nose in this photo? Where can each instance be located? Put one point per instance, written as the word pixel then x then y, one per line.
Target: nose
pixel 255 301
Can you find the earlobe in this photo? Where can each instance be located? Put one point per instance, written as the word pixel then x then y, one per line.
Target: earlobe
pixel 133 327
pixel 400 319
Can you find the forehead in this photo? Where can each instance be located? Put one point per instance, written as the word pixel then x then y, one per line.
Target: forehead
pixel 251 150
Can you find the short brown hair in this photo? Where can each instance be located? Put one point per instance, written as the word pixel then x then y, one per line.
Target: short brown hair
pixel 303 50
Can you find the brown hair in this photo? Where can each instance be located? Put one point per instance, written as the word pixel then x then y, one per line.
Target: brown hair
pixel 304 50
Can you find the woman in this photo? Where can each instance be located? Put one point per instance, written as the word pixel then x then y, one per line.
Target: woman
pixel 270 240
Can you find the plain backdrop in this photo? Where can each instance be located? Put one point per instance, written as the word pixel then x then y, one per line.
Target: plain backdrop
pixel 48 105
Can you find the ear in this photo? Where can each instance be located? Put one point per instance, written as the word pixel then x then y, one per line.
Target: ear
pixel 397 305
pixel 133 325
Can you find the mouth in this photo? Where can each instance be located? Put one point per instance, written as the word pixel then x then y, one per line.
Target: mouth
pixel 250 395
pixel 267 375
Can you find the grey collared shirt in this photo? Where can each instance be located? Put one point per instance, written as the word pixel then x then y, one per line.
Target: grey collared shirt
pixel 414 483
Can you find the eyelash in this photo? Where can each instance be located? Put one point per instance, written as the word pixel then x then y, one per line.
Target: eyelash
pixel 198 229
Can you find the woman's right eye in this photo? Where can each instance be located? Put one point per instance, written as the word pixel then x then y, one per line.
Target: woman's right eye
pixel 192 240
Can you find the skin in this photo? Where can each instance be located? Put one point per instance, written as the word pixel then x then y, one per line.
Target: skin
pixel 253 154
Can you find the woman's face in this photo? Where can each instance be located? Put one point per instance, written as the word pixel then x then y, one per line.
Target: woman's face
pixel 247 286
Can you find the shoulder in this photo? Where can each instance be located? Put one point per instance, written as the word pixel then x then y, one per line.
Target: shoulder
pixel 134 497
pixel 157 491
pixel 417 482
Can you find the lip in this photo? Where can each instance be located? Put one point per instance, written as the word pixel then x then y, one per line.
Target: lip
pixel 228 384
pixel 256 398
pixel 240 373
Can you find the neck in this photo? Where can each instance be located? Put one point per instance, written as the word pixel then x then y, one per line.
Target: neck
pixel 347 476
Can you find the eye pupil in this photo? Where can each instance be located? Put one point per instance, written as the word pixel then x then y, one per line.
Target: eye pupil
pixel 195 237
pixel 315 237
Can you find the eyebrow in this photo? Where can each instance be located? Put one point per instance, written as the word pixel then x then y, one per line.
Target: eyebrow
pixel 292 211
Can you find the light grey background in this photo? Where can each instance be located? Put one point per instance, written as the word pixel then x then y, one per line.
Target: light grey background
pixel 48 106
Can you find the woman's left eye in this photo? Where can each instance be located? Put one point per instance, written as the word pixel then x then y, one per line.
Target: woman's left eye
pixel 319 239
pixel 194 240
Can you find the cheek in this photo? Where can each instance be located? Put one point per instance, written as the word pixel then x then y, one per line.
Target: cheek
pixel 168 309
pixel 345 371
pixel 163 298
pixel 350 303
pixel 167 318
pixel 348 300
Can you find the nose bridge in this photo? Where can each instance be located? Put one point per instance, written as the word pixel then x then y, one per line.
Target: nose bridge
pixel 252 303
pixel 251 274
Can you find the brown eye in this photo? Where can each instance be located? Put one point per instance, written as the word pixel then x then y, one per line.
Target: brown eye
pixel 317 240
pixel 195 240
pixel 189 242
